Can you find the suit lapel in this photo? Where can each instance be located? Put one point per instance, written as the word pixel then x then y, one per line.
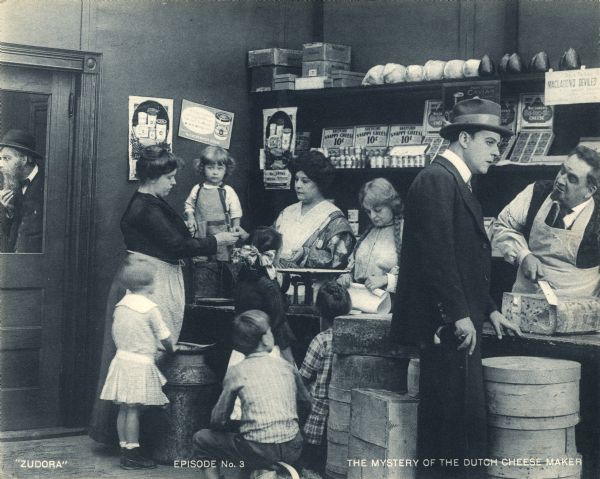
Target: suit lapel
pixel 468 197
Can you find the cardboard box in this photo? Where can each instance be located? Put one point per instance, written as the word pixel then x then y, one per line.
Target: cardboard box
pixel 322 68
pixel 274 56
pixel 325 51
pixel 262 77
pixel 311 83
pixel 284 85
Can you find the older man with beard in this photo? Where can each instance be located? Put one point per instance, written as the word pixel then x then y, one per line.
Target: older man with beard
pixel 22 196
pixel 552 229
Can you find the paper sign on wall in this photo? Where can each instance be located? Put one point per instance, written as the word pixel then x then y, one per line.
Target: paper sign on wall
pixel 205 124
pixel 572 86
pixel 279 136
pixel 150 123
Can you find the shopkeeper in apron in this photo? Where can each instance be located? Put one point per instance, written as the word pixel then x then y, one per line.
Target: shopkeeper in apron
pixel 552 229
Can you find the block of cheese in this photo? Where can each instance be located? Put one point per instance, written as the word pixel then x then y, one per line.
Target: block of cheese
pixel 532 312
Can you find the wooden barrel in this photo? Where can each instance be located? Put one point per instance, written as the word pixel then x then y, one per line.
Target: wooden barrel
pixel 351 372
pixel 412 377
pixel 337 452
pixel 193 389
pixel 533 407
pixel 338 427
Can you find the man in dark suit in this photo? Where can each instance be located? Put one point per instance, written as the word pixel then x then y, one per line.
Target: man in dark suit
pixel 443 295
pixel 23 205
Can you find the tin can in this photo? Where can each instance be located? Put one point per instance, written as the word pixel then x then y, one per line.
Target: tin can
pixel 161 129
pixel 222 125
pixel 152 114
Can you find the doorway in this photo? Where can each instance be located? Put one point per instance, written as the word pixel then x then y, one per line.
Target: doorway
pixel 34 225
pixel 50 97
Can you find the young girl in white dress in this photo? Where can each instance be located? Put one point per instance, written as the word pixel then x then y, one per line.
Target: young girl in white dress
pixel 133 380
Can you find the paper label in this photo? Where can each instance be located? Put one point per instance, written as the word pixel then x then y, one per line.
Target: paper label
pixel 372 135
pixel 337 137
pixel 405 135
pixel 572 86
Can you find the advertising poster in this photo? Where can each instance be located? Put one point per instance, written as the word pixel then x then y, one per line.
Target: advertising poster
pixel 454 92
pixel 205 124
pixel 150 123
pixel 279 136
pixel 533 112
pixel 433 116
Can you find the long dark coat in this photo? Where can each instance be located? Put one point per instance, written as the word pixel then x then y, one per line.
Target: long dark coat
pixel 445 276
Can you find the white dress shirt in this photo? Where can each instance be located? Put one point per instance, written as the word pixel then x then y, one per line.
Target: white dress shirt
pixel 459 164
pixel 507 231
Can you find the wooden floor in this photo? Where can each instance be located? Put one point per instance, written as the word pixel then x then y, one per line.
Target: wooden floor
pixel 74 456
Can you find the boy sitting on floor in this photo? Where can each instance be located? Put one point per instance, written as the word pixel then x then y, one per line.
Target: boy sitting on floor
pixel 268 389
pixel 332 300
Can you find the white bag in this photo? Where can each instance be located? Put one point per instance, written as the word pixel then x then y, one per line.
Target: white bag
pixel 376 301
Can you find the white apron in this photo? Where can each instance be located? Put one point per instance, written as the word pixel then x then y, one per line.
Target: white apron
pixel 557 250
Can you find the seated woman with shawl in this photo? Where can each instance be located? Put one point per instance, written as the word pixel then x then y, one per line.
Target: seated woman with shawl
pixel 316 234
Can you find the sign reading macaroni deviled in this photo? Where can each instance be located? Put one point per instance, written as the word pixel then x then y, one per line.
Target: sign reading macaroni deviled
pixel 572 86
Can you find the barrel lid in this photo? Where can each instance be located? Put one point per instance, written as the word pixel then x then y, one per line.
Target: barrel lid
pixel 530 370
pixel 193 348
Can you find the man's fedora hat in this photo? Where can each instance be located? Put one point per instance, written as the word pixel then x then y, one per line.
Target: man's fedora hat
pixel 477 113
pixel 20 140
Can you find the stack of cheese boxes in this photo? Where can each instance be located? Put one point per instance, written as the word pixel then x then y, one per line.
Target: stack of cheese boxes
pixel 274 68
pixel 372 419
pixel 326 65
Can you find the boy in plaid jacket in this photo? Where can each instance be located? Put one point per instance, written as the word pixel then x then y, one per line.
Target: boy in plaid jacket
pixel 332 300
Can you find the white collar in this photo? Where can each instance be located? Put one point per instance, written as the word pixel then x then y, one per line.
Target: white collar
pixel 33 173
pixel 459 164
pixel 581 206
pixel 137 302
pixel 208 186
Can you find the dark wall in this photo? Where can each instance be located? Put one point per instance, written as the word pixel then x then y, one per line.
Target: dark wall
pixel 195 51
pixel 414 31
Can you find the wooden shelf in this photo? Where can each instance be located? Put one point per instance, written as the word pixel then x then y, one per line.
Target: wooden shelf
pixel 282 97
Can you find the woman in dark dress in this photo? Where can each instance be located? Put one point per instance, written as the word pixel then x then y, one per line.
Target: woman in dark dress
pixel 153 232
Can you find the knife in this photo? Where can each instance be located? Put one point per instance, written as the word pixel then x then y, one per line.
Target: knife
pixel 548 292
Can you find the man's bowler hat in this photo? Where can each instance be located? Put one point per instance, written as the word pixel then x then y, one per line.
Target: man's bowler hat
pixel 20 140
pixel 475 112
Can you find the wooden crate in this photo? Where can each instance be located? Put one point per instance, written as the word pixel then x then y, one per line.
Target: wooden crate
pixel 375 459
pixel 570 316
pixel 386 419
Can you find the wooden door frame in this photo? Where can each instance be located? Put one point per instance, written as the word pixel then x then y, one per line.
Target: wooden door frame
pixel 78 260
